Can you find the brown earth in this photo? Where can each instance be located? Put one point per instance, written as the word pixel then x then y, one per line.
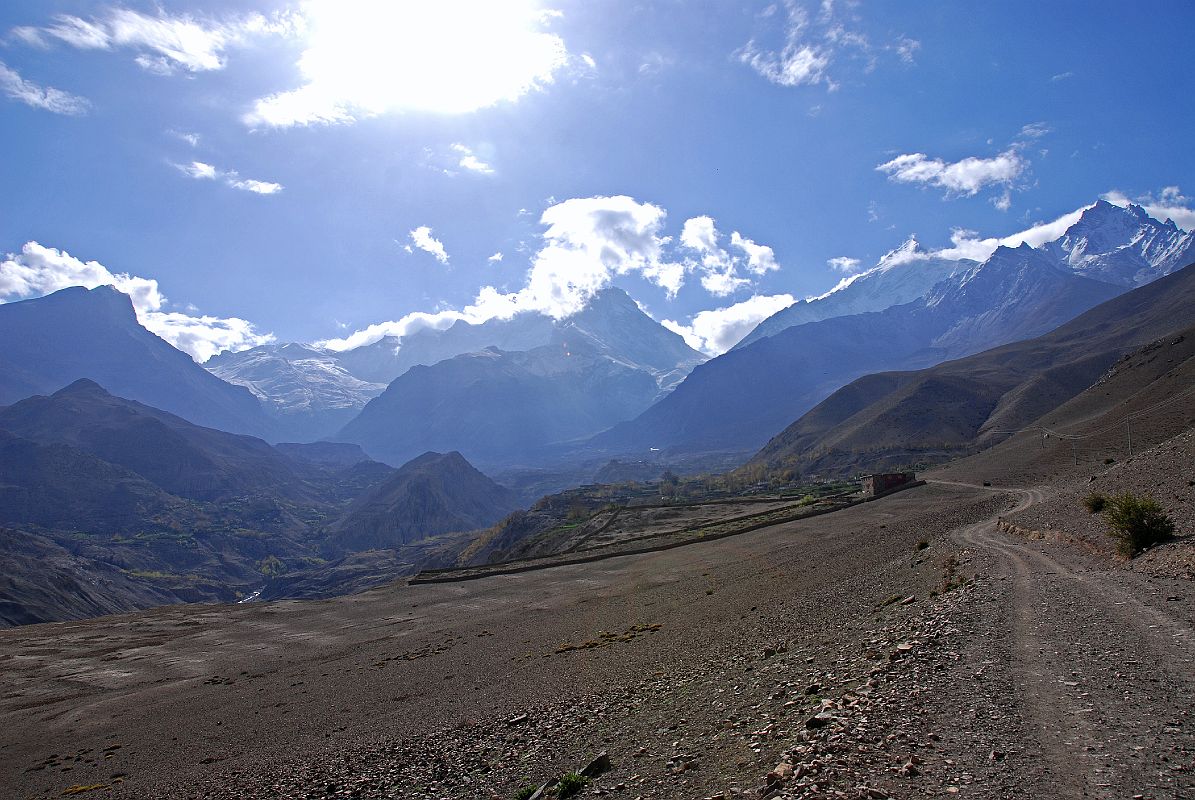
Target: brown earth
pixel 906 647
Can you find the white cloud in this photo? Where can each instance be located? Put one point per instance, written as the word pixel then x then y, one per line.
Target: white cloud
pixel 907 49
pixel 964 177
pixel 798 62
pixel 468 160
pixel 844 264
pixel 255 186
pixel 231 178
pixel 46 98
pixel 164 43
pixel 719 268
pixel 812 45
pixel 422 238
pixel 38 270
pixel 1062 76
pixel 587 243
pixel 202 337
pixel 362 59
pixel 190 138
pixel 495 258
pixel 1170 203
pixel 761 259
pixel 715 331
pixel 198 170
pixel 1034 130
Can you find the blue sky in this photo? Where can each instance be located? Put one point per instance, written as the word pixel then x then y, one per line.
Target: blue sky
pixel 307 170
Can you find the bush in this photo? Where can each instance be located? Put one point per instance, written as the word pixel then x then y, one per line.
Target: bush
pixel 1136 523
pixel 571 783
pixel 525 792
pixel 1095 502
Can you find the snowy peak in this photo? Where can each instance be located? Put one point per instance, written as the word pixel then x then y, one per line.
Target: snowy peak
pixel 1122 245
pixel 901 276
pixel 294 378
pixel 612 324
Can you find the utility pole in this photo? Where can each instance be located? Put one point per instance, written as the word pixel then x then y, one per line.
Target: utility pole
pixel 1129 432
pixel 1074 451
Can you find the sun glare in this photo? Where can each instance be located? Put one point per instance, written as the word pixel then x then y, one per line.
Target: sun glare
pixel 445 56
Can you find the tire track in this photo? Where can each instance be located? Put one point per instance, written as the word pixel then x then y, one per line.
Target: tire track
pixel 1104 675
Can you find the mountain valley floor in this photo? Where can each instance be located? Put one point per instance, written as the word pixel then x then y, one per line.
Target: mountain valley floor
pixel 908 647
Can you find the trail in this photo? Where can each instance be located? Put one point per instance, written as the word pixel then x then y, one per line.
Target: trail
pixel 1098 667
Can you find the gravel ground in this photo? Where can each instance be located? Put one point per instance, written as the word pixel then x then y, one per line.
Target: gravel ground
pixel 830 658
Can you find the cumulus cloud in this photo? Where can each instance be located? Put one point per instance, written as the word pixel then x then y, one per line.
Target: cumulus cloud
pixel 46 98
pixel 422 238
pixel 959 178
pixel 1170 203
pixel 362 59
pixel 715 331
pixel 38 270
pixel 844 264
pixel 495 258
pixel 164 43
pixel 719 268
pixel 207 172
pixel 586 244
pixel 812 44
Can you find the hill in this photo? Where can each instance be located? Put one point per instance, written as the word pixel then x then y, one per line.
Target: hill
pixel 432 494
pixel 893 419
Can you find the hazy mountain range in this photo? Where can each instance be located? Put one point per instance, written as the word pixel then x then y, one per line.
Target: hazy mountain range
pixel 131 476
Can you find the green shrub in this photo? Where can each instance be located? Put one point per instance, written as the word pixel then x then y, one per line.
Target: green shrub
pixel 571 783
pixel 1136 523
pixel 525 792
pixel 1095 502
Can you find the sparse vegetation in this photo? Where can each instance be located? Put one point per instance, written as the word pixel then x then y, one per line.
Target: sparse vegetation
pixel 571 783
pixel 1136 523
pixel 525 792
pixel 1095 502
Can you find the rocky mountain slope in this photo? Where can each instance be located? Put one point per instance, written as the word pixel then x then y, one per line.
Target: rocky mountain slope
pixel 892 419
pixel 1123 245
pixel 76 333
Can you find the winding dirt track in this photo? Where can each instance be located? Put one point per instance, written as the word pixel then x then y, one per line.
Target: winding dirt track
pixel 1099 664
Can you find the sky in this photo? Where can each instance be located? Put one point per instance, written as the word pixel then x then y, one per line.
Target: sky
pixel 336 170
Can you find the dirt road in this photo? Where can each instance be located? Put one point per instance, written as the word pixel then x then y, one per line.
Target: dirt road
pixel 1094 665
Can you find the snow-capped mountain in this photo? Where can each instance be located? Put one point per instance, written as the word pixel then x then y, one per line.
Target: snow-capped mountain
pixel 304 388
pixel 602 366
pixel 1122 245
pixel 311 392
pixel 901 276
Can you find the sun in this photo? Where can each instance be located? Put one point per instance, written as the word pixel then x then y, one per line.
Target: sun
pixel 369 57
